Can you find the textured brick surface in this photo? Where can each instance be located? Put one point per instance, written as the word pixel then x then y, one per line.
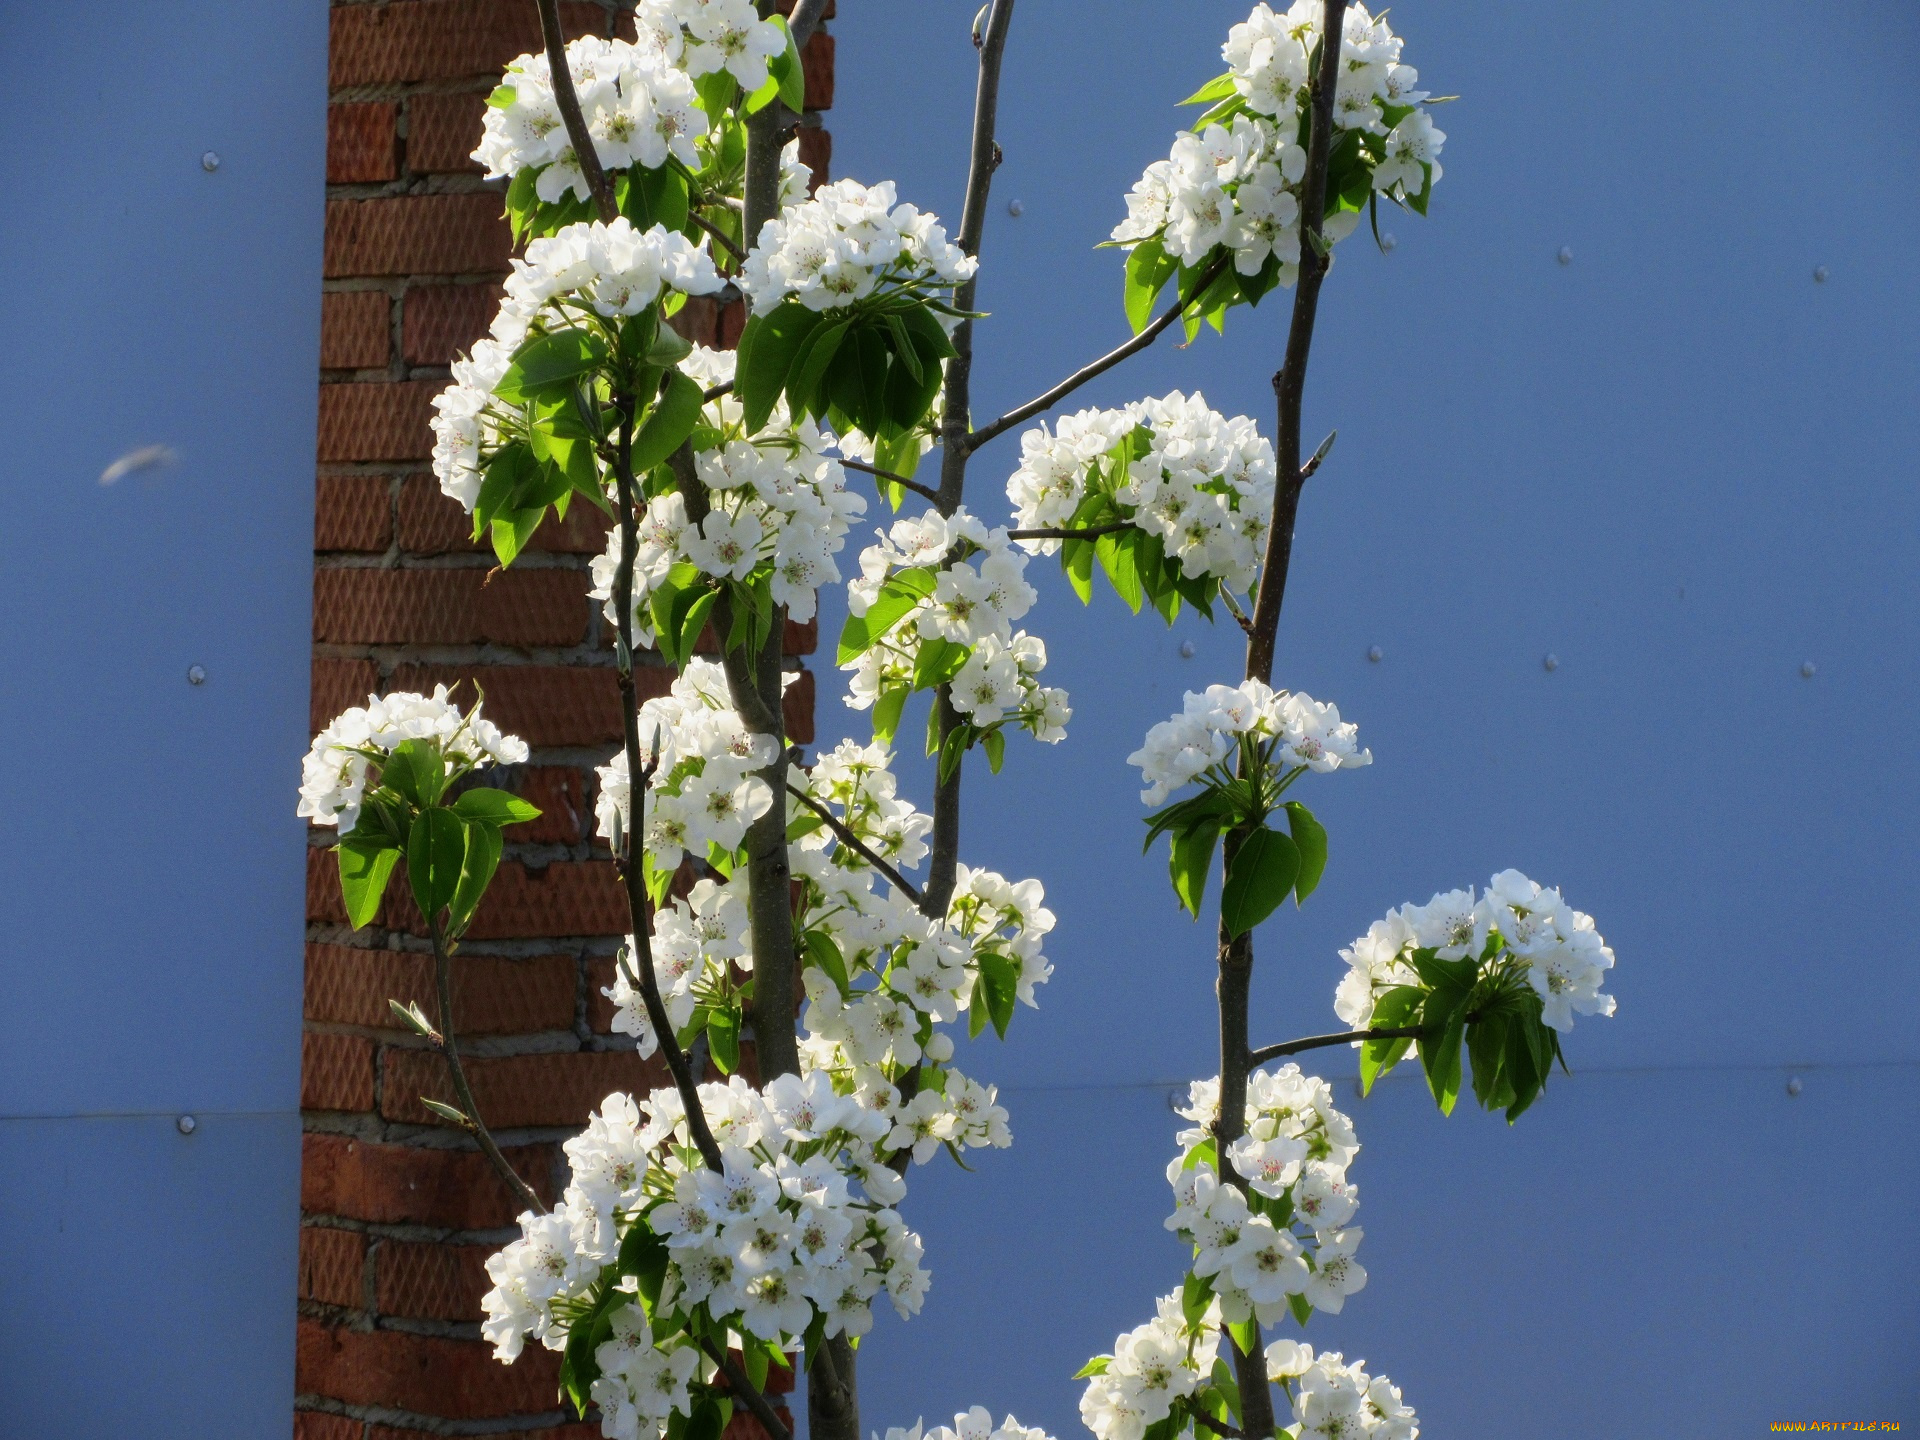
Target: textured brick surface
pixel 459 1379
pixel 339 685
pixel 396 1184
pixel 816 153
pixel 513 1091
pixel 544 704
pixel 797 709
pixel 449 607
pixel 816 65
pixel 439 322
pixel 492 995
pixel 568 897
pixel 353 513
pixel 377 420
pixel 431 523
pixel 336 1072
pixel 313 1425
pixel 333 1266
pixel 431 1282
pixel 439 39
pixel 561 794
pixel 583 1430
pixel 442 131
pixel 361 143
pixel 705 323
pixel 416 234
pixel 355 329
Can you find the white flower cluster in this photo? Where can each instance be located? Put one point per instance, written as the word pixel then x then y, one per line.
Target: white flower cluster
pixel 1293 1239
pixel 639 107
pixel 1337 1400
pixel 1237 184
pixel 610 269
pixel 704 791
pixel 976 1424
pixel 774 1236
pixel 1152 1366
pixel 779 501
pixel 1563 956
pixel 1201 482
pixel 697 940
pixel 848 242
pixel 334 776
pixel 706 36
pixel 979 591
pixel 1304 734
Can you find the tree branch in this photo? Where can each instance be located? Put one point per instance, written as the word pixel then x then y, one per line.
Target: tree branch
pixel 725 387
pixel 985 159
pixel 1289 382
pixel 738 1384
pixel 1319 1042
pixel 971 442
pixel 914 485
pixel 1055 532
pixel 853 842
pixel 638 781
pixel 1207 1422
pixel 718 234
pixel 805 19
pixel 476 1127
pixel 569 102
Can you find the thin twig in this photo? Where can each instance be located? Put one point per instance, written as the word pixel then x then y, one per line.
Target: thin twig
pixel 718 234
pixel 476 1127
pixel 1233 609
pixel 1209 1423
pixel 568 101
pixel 854 843
pixel 725 387
pixel 1313 462
pixel 1106 362
pixel 1055 532
pixel 638 778
pixel 738 1384
pixel 1320 1042
pixel 913 485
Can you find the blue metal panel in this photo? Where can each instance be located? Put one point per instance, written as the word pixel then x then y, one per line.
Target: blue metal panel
pixel 151 963
pixel 1677 463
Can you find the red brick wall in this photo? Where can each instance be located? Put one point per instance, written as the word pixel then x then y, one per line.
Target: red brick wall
pixel 399 1212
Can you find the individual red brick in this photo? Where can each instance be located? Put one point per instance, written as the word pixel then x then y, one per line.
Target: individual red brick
pixel 316 1425
pixel 361 142
pixel 706 323
pixel 439 39
pixel 354 329
pixel 442 131
pixel 416 234
pixel 816 153
pixel 796 709
pixel 324 904
pixel 336 1072
pixel 568 897
pixel 585 1430
pixel 431 1282
pixel 432 523
pixel 377 420
pixel 332 1266
pixel 544 705
pixel 801 637
pixel 492 995
pixel 600 976
pixel 449 607
pixel 458 1379
pixel 353 512
pixel 513 1091
pixel 407 1184
pixel 816 66
pixel 338 685
pixel 561 794
pixel 439 322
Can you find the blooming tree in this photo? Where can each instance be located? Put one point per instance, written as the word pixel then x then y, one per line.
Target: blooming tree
pixel 721 1225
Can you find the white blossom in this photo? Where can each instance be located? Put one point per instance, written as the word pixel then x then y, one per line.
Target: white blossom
pixel 1303 735
pixel 334 776
pixel 847 242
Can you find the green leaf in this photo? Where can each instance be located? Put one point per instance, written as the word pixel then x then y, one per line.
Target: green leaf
pixel 952 749
pixel 656 197
pixel 365 868
pixel 706 1422
pixel 1441 1059
pixel 899 595
pixel 1218 88
pixel 1487 1054
pixel 768 346
pixel 1392 1010
pixel 1119 552
pixel 1246 1334
pixel 507 474
pixel 496 806
pixel 1260 875
pixel 806 382
pixel 436 853
pixel 824 953
pixel 1183 815
pixel 547 365
pixel 692 624
pixel 1300 1306
pixel 723 1039
pixel 644 1256
pixel 501 97
pixel 477 865
pixel 1000 980
pixel 939 661
pixel 1196 1294
pixel 1310 839
pixel 416 771
pixel 512 531
pixel 886 712
pixel 672 419
pixel 1096 1366
pixel 1189 859
pixel 994 742
pixel 1149 267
